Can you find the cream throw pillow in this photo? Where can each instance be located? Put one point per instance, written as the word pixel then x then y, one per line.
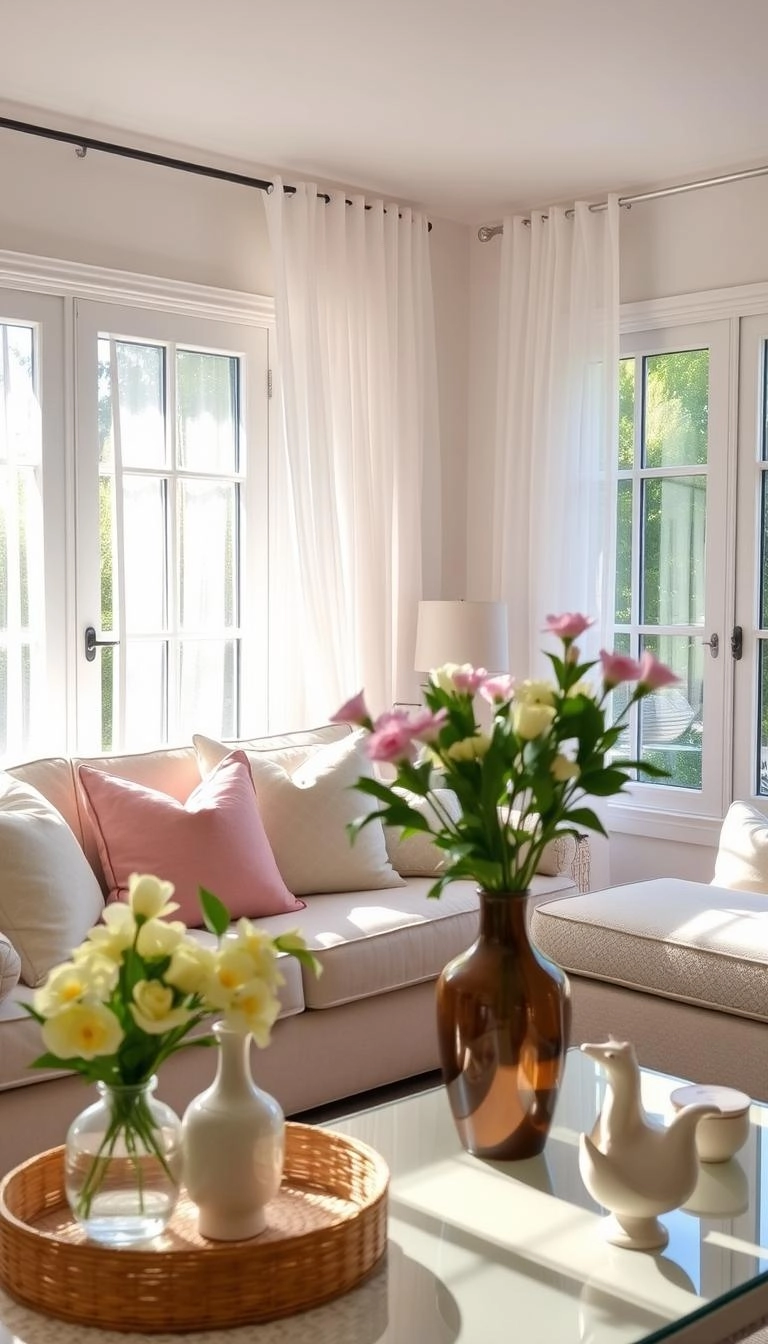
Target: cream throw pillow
pixel 742 856
pixel 417 855
pixel 305 810
pixel 10 967
pixel 49 895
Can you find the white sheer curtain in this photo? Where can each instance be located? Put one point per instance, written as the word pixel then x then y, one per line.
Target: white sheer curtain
pixel 557 423
pixel 357 402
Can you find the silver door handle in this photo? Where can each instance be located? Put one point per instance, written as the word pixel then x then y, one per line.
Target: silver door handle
pixel 713 644
pixel 92 643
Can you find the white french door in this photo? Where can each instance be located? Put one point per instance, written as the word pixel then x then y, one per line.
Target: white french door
pixel 673 580
pixel 35 466
pixel 750 757
pixel 171 506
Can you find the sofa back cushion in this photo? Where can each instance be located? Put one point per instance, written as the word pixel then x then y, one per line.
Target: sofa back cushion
pixel 213 840
pixel 742 855
pixel 53 777
pixel 49 896
pixel 306 801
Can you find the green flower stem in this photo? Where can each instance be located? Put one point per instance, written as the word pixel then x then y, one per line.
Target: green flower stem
pixel 131 1120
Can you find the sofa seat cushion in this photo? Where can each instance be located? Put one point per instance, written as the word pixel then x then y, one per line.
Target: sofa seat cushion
pixel 373 942
pixel 688 941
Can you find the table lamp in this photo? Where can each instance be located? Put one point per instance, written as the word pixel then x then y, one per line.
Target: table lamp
pixel 462 632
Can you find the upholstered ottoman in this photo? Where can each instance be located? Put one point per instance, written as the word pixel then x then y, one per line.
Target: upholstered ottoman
pixel 678 968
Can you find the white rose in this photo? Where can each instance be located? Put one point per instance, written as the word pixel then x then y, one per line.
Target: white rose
pixel 442 677
pixel 152 1008
pixel 530 721
pixel 535 693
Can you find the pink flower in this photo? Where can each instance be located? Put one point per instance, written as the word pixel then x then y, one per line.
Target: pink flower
pixel 392 738
pixel 568 626
pixel 653 674
pixel 618 667
pixel 425 725
pixel 495 689
pixel 353 711
pixel 468 678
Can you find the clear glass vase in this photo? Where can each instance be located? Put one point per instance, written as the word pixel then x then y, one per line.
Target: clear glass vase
pixel 123 1165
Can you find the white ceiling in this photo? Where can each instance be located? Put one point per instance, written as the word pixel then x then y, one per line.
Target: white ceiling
pixel 465 107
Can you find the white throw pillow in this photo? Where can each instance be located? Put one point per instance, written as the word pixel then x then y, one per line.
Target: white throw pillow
pixel 417 855
pixel 10 967
pixel 742 856
pixel 305 809
pixel 49 895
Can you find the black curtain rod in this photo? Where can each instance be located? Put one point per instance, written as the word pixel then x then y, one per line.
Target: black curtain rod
pixel 86 142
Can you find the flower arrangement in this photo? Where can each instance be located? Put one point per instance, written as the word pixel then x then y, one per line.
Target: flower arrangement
pixel 518 785
pixel 135 990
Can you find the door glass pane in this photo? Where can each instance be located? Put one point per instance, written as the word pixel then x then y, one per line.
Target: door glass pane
pixel 624 554
pixel 22 591
pixel 761 783
pixel 676 410
pixel 144 545
pixel 671 719
pixel 146 679
pixel 207 411
pixel 764 550
pixel 626 414
pixel 674 520
pixel 207 687
pixel 206 555
pixel 140 396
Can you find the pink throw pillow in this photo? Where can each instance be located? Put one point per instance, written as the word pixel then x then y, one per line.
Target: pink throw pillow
pixel 214 840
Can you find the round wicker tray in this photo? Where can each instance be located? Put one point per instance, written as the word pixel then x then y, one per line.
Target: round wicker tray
pixel 327 1229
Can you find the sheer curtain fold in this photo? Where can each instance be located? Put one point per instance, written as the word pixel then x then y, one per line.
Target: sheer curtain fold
pixel 556 423
pixel 357 412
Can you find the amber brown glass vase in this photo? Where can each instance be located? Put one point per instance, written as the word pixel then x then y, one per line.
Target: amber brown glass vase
pixel 503 1018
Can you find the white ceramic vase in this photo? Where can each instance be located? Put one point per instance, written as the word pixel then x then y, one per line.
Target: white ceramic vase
pixel 233 1138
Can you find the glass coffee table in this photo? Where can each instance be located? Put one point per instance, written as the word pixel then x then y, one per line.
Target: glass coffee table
pixel 490 1252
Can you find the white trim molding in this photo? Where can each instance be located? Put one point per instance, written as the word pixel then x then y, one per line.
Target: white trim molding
pixel 47 275
pixel 706 306
pixel 683 827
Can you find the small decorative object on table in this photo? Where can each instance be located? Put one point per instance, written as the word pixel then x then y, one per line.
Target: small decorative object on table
pixel 720 1136
pixel 631 1165
pixel 128 999
pixel 503 1008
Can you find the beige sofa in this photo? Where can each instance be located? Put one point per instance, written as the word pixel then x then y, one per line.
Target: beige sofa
pixel 678 968
pixel 367 1021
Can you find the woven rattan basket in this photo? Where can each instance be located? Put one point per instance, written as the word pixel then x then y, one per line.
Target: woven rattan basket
pixel 327 1229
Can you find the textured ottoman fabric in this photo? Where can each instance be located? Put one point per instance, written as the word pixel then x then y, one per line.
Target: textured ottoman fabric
pixel 688 941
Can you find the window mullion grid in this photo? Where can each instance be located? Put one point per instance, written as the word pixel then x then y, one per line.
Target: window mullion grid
pixel 171 577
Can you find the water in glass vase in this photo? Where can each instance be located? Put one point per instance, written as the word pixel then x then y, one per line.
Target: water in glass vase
pixel 123 1165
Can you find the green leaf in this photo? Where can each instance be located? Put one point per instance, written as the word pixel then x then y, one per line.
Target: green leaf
pixel 603 783
pixel 584 816
pixel 215 913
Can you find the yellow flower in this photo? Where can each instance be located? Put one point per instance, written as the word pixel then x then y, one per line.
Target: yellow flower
pixel 535 693
pixel 191 967
pixel 443 676
pixel 149 897
pixel 117 932
pixel 157 938
pixel 232 968
pixel 531 720
pixel 152 1008
pixel 261 950
pixel 469 748
pixel 562 769
pixel 85 1030
pixel 253 1008
pixel 93 976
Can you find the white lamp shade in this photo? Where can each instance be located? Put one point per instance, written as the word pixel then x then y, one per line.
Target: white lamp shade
pixel 462 632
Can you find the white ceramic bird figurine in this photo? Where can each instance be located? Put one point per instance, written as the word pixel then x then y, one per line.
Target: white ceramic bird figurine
pixel 630 1164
